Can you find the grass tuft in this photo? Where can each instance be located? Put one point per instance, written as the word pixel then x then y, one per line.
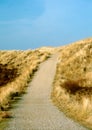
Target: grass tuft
pixel 74 87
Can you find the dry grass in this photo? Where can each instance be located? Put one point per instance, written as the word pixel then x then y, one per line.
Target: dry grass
pixel 72 91
pixel 51 50
pixel 16 70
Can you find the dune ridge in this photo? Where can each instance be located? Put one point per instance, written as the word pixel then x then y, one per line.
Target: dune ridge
pixel 72 86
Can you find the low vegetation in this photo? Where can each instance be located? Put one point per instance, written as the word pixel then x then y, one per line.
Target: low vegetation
pixel 72 86
pixel 16 70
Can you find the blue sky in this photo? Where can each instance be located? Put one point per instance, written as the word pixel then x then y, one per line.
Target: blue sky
pixel 28 24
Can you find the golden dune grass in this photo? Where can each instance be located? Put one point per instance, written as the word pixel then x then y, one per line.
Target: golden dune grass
pixel 17 69
pixel 72 86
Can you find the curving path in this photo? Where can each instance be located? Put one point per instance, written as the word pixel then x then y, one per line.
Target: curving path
pixel 36 111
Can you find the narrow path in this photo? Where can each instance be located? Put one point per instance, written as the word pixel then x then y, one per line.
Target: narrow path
pixel 36 111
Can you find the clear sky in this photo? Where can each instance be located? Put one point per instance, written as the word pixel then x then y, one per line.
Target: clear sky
pixel 28 24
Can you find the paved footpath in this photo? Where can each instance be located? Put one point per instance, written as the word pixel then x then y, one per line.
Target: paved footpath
pixel 36 111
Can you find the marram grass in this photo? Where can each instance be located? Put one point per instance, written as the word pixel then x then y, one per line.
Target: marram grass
pixel 16 70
